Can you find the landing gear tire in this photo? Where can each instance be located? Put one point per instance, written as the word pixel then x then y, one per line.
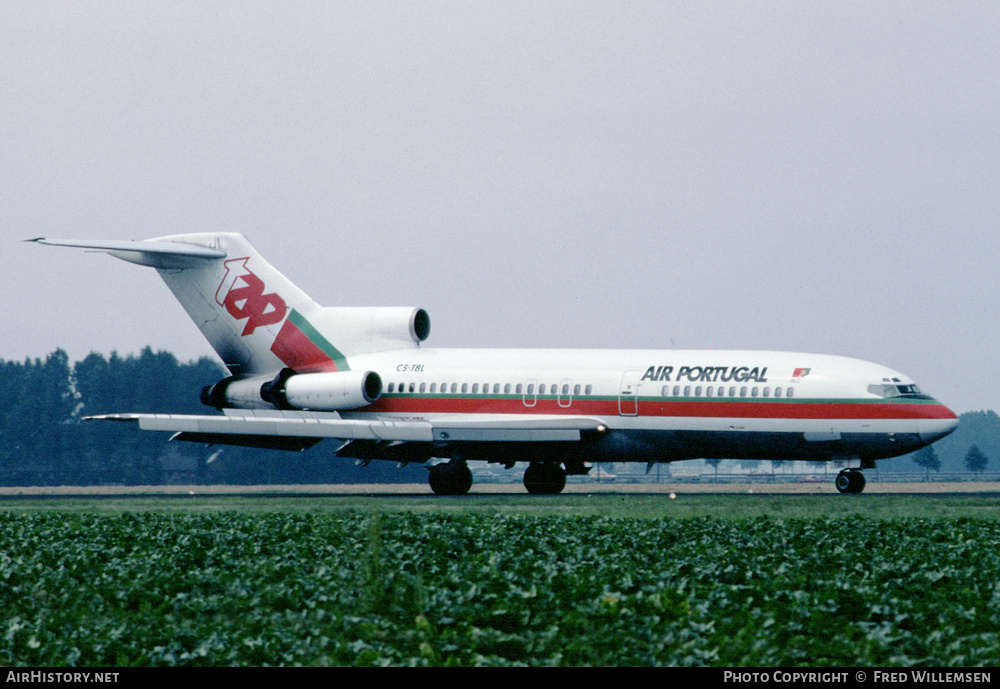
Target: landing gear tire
pixel 850 481
pixel 453 478
pixel 544 478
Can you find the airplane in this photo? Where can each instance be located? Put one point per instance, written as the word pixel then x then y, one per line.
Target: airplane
pixel 362 376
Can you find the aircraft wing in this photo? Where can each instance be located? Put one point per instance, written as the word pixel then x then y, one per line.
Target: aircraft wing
pixel 301 429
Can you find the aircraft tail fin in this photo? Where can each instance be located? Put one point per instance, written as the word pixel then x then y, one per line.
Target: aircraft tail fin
pixel 254 317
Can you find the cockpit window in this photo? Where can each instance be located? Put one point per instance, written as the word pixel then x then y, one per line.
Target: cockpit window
pixel 893 390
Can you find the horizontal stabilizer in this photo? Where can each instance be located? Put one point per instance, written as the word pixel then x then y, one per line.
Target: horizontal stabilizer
pixel 158 254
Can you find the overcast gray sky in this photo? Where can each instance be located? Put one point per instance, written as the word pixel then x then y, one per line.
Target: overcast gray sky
pixel 803 176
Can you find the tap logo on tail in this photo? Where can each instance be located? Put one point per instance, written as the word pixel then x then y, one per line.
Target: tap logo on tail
pixel 242 293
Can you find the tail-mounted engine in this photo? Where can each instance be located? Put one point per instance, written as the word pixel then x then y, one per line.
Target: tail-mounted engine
pixel 335 391
pixel 366 329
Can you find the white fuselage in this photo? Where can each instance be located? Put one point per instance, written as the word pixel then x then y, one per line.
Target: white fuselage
pixel 671 404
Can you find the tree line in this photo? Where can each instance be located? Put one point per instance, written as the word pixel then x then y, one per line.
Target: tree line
pixel 44 439
pixel 969 449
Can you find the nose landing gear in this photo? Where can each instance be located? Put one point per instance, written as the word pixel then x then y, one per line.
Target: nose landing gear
pixel 850 481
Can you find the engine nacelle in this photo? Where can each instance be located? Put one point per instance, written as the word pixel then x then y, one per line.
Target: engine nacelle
pixel 334 391
pixel 237 393
pixel 365 329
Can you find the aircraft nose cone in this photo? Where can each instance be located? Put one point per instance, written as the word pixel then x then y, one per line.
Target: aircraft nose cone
pixel 932 430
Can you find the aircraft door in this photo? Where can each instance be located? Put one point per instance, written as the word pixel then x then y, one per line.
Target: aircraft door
pixel 565 398
pixel 628 397
pixel 530 395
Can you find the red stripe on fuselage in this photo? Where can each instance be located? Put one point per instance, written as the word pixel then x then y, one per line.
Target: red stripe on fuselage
pixel 663 408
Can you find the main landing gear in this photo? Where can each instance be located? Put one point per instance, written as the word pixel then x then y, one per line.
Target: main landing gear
pixel 453 478
pixel 850 481
pixel 540 478
pixel 544 478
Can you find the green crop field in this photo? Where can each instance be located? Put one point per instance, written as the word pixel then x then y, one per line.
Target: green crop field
pixel 567 580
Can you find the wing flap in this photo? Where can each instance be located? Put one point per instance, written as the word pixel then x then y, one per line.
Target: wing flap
pixel 290 424
pixel 485 435
pixel 267 442
pixel 286 424
pixel 515 429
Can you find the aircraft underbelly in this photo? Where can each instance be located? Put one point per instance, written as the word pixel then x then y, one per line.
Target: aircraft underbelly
pixel 675 445
pixel 651 439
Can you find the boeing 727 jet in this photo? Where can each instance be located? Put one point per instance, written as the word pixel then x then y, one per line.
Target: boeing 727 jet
pixel 363 378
